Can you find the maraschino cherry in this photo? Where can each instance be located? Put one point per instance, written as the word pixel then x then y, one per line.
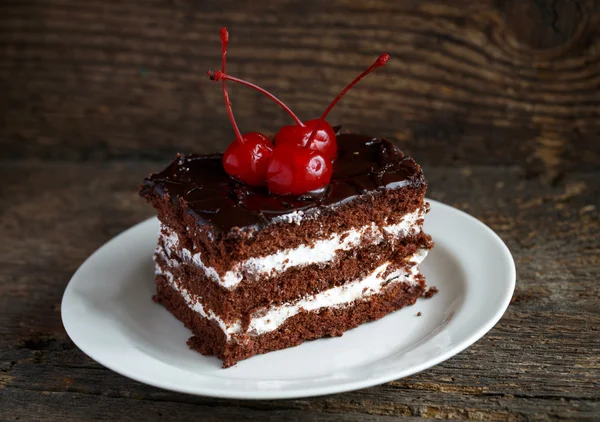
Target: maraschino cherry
pixel 247 157
pixel 324 141
pixel 301 160
pixel 295 169
pixel 292 168
pixel 317 134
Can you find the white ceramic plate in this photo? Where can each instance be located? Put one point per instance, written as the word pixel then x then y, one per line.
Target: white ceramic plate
pixel 108 312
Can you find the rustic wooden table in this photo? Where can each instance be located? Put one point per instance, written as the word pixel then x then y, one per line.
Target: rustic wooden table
pixel 498 100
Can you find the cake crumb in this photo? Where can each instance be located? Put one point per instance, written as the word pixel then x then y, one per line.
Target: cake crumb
pixel 429 293
pixel 419 313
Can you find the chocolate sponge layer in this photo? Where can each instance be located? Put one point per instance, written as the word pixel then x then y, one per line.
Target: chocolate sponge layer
pixel 208 338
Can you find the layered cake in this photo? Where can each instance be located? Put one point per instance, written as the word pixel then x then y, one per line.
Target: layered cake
pixel 278 241
pixel 249 272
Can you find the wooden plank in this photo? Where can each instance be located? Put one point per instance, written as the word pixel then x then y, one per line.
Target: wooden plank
pixel 51 406
pixel 486 82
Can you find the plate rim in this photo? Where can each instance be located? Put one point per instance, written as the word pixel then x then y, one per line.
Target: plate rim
pixel 365 382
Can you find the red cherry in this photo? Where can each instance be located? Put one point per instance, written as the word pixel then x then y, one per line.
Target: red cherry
pixel 324 141
pixel 295 167
pixel 316 134
pixel 301 161
pixel 246 158
pixel 247 162
pixel 294 170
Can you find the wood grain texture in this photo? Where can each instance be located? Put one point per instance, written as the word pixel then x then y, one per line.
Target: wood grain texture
pixel 499 100
pixel 503 82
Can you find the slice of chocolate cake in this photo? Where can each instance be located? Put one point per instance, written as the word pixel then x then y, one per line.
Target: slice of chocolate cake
pixel 250 272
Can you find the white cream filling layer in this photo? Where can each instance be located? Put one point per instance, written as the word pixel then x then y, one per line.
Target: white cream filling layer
pixel 336 297
pixel 320 252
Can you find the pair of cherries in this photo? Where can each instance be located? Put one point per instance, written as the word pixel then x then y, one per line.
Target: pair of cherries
pixel 301 159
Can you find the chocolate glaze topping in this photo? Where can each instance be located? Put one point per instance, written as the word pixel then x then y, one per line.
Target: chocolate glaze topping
pixel 364 164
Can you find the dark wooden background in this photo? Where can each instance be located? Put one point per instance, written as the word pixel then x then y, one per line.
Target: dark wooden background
pixel 498 100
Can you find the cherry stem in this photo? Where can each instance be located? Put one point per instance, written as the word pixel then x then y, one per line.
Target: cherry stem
pixel 381 60
pixel 224 41
pixel 217 76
